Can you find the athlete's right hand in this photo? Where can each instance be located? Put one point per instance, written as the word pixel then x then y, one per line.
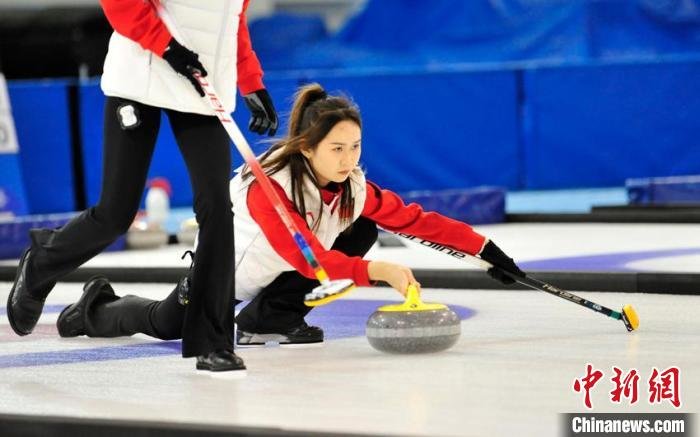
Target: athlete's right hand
pixel 397 276
pixel 186 62
pixel 500 261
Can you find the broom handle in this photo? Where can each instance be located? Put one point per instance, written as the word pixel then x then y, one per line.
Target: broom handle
pixel 525 280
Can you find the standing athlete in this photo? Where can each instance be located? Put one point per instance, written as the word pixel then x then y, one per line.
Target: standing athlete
pixel 147 72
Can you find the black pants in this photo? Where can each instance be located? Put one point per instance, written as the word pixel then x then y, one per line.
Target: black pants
pixel 128 147
pixel 277 308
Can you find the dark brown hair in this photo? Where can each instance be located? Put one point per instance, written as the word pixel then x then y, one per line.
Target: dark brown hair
pixel 314 113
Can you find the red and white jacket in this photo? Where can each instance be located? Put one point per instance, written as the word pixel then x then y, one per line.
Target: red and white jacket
pixel 214 29
pixel 264 248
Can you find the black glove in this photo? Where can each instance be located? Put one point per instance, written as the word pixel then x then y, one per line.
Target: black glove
pixel 262 112
pixel 186 62
pixel 500 261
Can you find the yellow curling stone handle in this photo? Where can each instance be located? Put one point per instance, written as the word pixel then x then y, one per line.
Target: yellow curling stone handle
pixel 412 303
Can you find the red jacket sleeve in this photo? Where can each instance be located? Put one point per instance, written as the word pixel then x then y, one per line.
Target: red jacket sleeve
pixel 249 70
pixel 138 21
pixel 388 210
pixel 337 264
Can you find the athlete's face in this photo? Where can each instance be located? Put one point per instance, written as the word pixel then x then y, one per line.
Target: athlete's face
pixel 337 154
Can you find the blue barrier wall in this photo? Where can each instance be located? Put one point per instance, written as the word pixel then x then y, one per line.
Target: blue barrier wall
pixel 596 125
pixel 12 197
pixel 474 205
pixel 407 138
pixel 525 94
pixel 410 33
pixel 435 130
pixel 41 113
pixel 678 190
pixel 430 129
pixel 13 200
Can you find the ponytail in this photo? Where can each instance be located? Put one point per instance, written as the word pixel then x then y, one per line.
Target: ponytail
pixel 303 99
pixel 313 115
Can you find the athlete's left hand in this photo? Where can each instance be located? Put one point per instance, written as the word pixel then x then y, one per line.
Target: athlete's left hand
pixel 263 116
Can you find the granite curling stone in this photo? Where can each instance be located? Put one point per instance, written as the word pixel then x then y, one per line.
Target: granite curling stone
pixel 187 234
pixel 413 327
pixel 142 235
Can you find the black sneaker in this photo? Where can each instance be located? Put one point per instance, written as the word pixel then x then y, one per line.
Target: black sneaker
pixel 301 335
pixel 71 321
pixel 221 361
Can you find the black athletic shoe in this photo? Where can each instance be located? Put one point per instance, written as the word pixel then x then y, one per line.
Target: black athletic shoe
pixel 220 361
pixel 302 334
pixel 71 321
pixel 23 308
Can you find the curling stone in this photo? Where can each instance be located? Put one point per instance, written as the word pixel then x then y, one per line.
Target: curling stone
pixel 413 327
pixel 144 235
pixel 188 231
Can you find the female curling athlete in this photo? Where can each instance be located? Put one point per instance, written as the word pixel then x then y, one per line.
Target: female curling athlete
pixel 316 174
